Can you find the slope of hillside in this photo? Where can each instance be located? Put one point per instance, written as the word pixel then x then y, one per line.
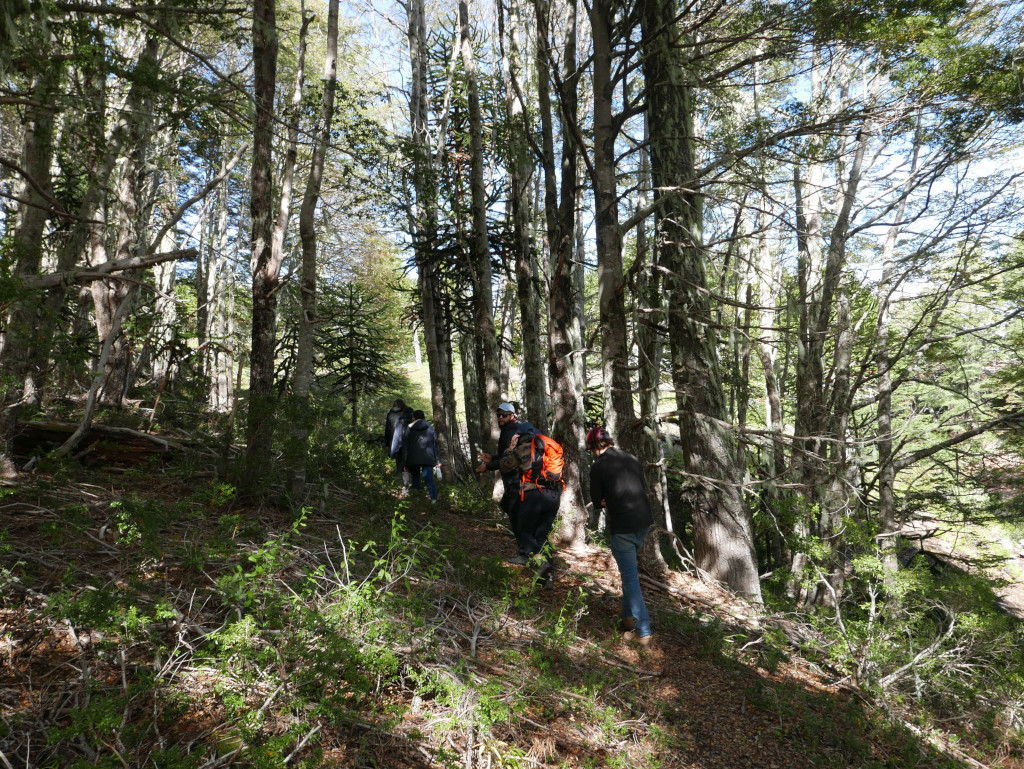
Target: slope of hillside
pixel 150 619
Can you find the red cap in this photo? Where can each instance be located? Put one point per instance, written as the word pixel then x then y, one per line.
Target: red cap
pixel 596 434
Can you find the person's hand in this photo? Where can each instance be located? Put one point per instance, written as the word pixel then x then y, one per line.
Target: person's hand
pixel 481 468
pixel 485 457
pixel 515 440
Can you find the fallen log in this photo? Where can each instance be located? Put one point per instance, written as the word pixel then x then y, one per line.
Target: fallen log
pixel 104 444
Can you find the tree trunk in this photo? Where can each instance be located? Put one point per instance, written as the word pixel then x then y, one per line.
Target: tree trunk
pixel 165 328
pixel 818 416
pixel 509 301
pixel 520 170
pixel 767 348
pixel 563 298
pixel 723 529
pixel 265 277
pixel 301 422
pixel 424 236
pixel 132 218
pixel 890 523
pixel 220 267
pixel 284 205
pixel 619 414
pixel 73 247
pixel 19 384
pixel 837 499
pixel 651 309
pixel 471 393
pixel 480 255
pixel 97 378
pixel 131 214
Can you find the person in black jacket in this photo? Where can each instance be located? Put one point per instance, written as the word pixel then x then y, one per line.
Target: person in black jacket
pixel 537 510
pixel 394 426
pixel 617 484
pixel 420 453
pixel 509 425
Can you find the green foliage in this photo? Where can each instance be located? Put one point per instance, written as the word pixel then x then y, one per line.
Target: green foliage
pixel 89 607
pixel 115 611
pixel 354 461
pixel 217 494
pixel 141 520
pixel 252 586
pixel 885 23
pixel 345 635
pixel 926 633
pixel 238 524
pixel 561 629
pixel 360 343
pixel 7 576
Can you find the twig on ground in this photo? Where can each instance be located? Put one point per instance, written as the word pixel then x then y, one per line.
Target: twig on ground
pixel 302 744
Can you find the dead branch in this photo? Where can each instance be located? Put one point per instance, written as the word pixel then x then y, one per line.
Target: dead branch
pixel 54 279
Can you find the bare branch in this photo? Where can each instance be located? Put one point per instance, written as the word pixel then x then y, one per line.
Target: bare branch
pixel 54 279
pixel 917 456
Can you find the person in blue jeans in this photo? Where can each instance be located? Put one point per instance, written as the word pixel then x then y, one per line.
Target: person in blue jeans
pixel 420 453
pixel 617 484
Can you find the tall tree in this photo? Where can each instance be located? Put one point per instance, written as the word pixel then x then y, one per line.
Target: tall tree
pixel 479 247
pixel 651 308
pixel 19 384
pixel 722 525
pixel 265 272
pixel 307 232
pixel 423 224
pixel 619 412
pixel 520 168
pixel 564 300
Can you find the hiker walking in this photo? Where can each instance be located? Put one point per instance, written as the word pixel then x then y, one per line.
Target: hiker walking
pixel 617 484
pixel 394 426
pixel 420 453
pixel 394 422
pixel 509 425
pixel 540 491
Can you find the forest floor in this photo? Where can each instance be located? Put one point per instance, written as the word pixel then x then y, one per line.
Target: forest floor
pixel 146 618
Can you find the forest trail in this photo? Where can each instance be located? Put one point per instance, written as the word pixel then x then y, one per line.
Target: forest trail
pixel 722 715
pixel 700 681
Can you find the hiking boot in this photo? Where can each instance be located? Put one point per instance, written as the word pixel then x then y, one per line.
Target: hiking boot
pixel 644 641
pixel 518 560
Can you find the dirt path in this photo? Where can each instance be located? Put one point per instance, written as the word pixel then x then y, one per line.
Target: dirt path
pixel 714 710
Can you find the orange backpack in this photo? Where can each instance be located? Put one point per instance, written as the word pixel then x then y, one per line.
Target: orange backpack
pixel 544 464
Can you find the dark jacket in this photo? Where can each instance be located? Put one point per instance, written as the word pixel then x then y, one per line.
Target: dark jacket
pixel 504 439
pixel 617 477
pixel 419 445
pixel 396 419
pixel 509 481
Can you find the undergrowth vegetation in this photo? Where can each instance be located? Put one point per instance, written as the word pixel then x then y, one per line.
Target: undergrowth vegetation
pixel 934 639
pixel 160 622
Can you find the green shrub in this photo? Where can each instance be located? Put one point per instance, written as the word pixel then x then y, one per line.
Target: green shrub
pixel 936 638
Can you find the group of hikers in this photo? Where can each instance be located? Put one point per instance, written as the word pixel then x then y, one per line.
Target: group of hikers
pixel 531 470
pixel 412 443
